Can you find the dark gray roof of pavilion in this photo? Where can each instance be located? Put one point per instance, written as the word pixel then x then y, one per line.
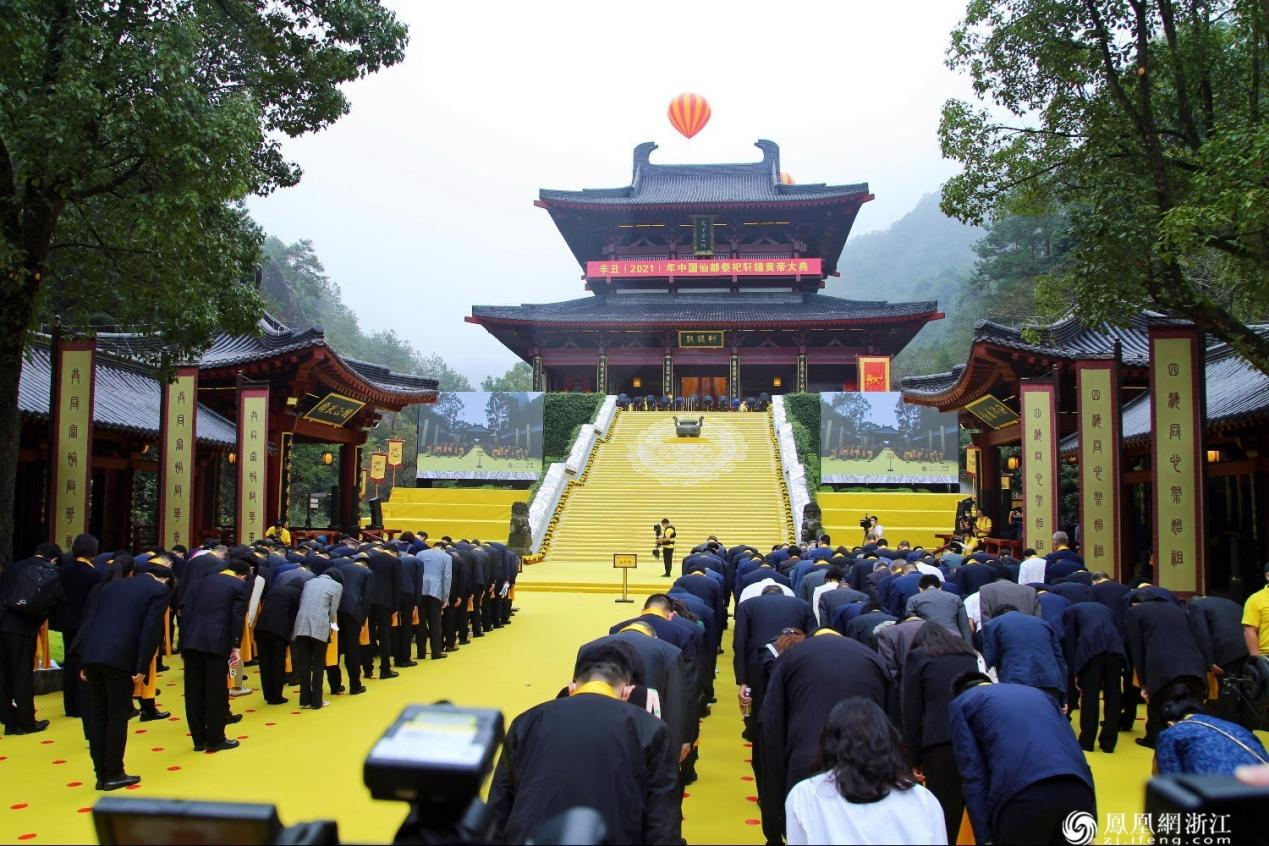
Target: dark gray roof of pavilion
pixel 746 308
pixel 755 183
pixel 1067 339
pixel 127 398
pixel 1237 395
pixel 273 339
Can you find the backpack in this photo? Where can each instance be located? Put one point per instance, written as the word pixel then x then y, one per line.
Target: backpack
pixel 35 591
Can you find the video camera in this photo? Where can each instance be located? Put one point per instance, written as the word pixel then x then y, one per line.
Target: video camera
pixel 1206 809
pixel 435 757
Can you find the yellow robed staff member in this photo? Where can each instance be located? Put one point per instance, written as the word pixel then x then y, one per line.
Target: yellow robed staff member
pixel 982 525
pixel 279 531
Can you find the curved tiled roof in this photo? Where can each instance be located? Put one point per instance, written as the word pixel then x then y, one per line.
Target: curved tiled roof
pixel 740 309
pixel 1237 395
pixel 704 184
pixel 273 339
pixel 127 398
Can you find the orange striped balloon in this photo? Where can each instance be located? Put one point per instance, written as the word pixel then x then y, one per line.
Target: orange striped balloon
pixel 785 179
pixel 689 113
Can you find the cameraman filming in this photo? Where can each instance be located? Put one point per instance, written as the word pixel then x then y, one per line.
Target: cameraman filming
pixel 665 543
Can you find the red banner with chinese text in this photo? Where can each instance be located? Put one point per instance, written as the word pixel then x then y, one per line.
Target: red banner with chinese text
pixel 74 372
pixel 649 268
pixel 874 373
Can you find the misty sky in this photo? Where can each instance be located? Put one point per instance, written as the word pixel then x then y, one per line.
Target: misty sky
pixel 420 201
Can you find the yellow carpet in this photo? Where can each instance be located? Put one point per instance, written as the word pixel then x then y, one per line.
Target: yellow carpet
pixel 309 763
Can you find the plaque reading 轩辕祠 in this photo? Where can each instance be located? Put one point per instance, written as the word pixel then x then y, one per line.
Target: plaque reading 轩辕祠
pixel 874 373
pixel 334 410
pixel 697 339
pixel 73 369
pixel 1176 409
pixel 1039 464
pixel 253 461
pixel 1098 391
pixel 650 268
pixel 993 412
pixel 879 439
pixel 703 234
pixel 176 467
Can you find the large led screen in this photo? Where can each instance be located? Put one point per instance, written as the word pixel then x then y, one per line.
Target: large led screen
pixel 495 436
pixel 877 439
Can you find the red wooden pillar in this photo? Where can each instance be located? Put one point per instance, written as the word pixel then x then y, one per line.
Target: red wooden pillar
pixel 349 468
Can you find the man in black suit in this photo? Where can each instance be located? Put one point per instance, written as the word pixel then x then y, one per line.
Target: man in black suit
pixel 1114 595
pixel 121 631
pixel 17 648
pixel 706 588
pixel 354 608
pixel 385 598
pixel 272 633
pixel 809 679
pixel 1165 655
pixel 456 606
pixel 211 631
pixel 1217 626
pixel 76 578
pixel 760 619
pixel 658 612
pixel 1094 651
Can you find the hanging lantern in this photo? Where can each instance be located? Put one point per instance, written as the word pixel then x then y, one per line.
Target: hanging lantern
pixel 689 113
pixel 1012 463
pixel 328 458
pixel 233 457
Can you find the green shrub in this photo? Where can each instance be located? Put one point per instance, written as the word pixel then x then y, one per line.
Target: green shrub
pixel 803 411
pixel 563 415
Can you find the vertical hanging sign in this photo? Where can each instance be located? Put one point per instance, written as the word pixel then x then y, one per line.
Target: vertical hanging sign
pixel 538 381
pixel 874 373
pixel 285 441
pixel 1039 463
pixel 601 376
pixel 253 455
pixel 667 376
pixel 1097 386
pixel 703 235
pixel 735 377
pixel 74 365
pixel 176 467
pixel 801 374
pixel 1176 414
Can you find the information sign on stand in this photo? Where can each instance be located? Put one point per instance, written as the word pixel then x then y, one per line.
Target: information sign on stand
pixel 625 562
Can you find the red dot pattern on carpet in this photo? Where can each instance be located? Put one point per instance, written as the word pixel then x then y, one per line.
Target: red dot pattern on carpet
pixel 84 811
pixel 30 836
pixel 157 749
pixel 173 768
pixel 60 761
pixel 746 778
pixel 753 822
pixel 17 806
pixel 74 784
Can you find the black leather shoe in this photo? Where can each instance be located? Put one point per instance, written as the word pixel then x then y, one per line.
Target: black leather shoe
pixel 281 701
pixel 338 690
pixel 439 657
pixel 407 663
pixel 224 745
pixel 233 718
pixel 200 747
pixel 357 691
pixel 118 782
pixel 388 674
pixel 1141 741
pixel 35 728
pixel 155 715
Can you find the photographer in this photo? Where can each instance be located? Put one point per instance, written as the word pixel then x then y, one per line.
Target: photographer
pixel 665 543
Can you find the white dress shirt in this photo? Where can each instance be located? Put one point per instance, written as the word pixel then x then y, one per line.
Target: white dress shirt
pixel 1031 570
pixel 757 588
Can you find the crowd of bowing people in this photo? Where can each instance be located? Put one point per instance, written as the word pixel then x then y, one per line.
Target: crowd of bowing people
pixel 890 695
pixel 291 613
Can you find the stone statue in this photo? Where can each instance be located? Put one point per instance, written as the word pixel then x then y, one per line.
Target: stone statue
pixel 812 527
pixel 520 541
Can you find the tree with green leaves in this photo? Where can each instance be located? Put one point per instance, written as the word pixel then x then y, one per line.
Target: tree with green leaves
pixel 519 377
pixel 129 135
pixel 1144 122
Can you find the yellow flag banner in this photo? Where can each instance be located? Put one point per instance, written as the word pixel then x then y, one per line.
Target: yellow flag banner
pixel 1039 463
pixel 74 364
pixel 176 467
pixel 378 466
pixel 396 452
pixel 1097 387
pixel 253 460
pixel 1176 413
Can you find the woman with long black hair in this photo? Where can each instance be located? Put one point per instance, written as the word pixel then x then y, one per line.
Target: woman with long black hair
pixel 865 792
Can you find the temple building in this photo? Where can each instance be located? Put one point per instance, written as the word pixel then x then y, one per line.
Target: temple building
pixel 705 280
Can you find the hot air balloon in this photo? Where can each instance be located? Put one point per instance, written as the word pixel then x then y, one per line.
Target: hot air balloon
pixel 785 179
pixel 689 113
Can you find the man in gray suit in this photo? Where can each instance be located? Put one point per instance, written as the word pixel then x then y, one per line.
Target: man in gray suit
pixel 438 573
pixel 319 604
pixel 935 605
pixel 1000 593
pixel 840 593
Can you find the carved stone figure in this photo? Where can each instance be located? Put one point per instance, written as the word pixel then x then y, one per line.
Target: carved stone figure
pixel 521 538
pixel 812 527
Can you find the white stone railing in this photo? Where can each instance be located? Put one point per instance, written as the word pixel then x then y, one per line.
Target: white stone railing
pixel 558 475
pixel 794 472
